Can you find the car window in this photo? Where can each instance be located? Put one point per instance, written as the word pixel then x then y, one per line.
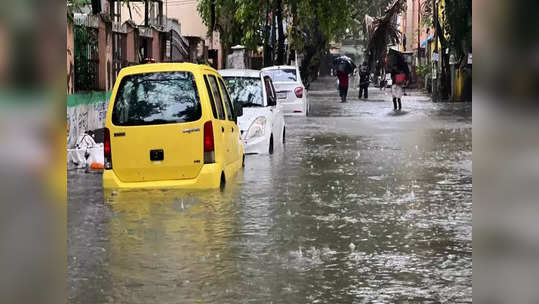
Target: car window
pixel 228 104
pixel 246 90
pixel 212 101
pixel 284 75
pixel 269 87
pixel 217 97
pixel 156 98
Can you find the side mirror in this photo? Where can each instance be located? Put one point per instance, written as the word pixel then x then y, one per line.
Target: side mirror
pixel 272 101
pixel 238 108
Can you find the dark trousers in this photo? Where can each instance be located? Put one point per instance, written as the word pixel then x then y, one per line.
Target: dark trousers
pixel 395 100
pixel 364 90
pixel 343 91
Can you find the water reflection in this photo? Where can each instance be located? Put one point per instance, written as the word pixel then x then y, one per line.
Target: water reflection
pixel 174 246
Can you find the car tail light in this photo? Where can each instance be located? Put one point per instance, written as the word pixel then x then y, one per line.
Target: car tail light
pixel 209 143
pixel 107 151
pixel 299 92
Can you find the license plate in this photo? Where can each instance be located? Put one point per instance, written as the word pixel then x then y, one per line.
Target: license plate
pixel 281 95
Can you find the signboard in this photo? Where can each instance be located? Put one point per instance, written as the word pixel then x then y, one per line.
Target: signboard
pixel 470 58
pixel 435 56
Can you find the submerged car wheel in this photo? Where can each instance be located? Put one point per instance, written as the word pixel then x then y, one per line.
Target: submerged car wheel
pixel 271 145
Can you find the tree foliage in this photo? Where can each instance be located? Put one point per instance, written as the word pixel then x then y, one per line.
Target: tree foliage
pixel 455 21
pixel 312 23
pixel 385 30
pixel 458 23
pixel 373 8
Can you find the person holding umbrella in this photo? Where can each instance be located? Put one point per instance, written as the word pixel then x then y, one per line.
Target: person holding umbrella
pixel 344 67
pixel 398 78
pixel 399 74
pixel 343 84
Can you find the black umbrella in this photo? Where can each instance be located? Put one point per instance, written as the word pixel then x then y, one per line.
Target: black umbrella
pixel 396 58
pixel 344 64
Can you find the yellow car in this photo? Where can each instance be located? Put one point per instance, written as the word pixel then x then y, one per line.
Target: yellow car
pixel 171 125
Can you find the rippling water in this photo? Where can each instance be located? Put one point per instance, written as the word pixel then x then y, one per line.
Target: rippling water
pixel 374 208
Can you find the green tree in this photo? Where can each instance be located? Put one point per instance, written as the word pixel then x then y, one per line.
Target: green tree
pixel 385 31
pixel 373 8
pixel 314 23
pixel 453 27
pixel 458 23
pixel 237 21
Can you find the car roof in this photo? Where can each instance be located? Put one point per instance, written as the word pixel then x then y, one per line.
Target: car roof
pixel 166 67
pixel 279 67
pixel 240 73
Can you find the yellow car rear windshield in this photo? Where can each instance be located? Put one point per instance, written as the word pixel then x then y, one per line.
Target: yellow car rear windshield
pixel 156 98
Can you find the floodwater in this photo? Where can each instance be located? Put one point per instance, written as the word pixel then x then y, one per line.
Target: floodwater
pixel 361 205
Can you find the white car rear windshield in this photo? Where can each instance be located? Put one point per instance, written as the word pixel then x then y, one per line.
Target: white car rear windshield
pixel 284 75
pixel 247 90
pixel 156 98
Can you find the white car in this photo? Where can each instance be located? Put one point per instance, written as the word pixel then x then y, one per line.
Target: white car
pixel 262 124
pixel 291 93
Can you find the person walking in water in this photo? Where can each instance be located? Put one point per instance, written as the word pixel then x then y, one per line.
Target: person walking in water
pixel 398 78
pixel 343 84
pixel 364 80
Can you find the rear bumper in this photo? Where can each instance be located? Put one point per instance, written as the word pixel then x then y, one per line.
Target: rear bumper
pixel 208 178
pixel 296 108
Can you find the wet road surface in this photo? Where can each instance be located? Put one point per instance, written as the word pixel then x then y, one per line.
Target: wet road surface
pixel 362 205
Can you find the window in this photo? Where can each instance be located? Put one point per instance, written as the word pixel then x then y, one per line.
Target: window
pixel 229 111
pixel 247 90
pixel 269 87
pixel 217 97
pixel 284 75
pixel 156 98
pixel 212 101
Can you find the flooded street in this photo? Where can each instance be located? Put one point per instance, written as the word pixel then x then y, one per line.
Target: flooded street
pixel 362 205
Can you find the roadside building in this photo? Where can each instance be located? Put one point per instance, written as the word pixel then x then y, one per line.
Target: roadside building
pixel 191 35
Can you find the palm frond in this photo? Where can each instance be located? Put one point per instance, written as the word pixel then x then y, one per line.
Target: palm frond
pixel 385 30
